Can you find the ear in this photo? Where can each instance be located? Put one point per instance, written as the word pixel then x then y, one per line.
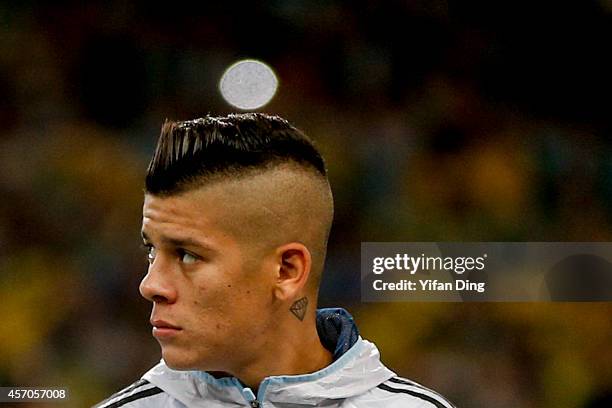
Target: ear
pixel 294 263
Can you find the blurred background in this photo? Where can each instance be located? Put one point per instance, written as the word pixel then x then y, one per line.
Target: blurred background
pixel 440 121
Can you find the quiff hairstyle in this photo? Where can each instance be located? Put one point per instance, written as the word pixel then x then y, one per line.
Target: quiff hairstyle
pixel 190 153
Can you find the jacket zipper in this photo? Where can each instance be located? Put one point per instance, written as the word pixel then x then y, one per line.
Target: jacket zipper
pixel 248 395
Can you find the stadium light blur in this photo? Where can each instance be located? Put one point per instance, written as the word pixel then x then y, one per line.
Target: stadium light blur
pixel 248 84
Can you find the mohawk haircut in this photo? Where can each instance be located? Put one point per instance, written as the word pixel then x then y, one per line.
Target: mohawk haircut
pixel 191 152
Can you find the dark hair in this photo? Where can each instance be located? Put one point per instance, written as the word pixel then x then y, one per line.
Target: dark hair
pixel 193 151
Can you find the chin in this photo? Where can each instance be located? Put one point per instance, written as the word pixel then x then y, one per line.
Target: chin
pixel 178 367
pixel 178 360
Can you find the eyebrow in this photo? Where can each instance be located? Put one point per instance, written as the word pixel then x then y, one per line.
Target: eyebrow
pixel 179 242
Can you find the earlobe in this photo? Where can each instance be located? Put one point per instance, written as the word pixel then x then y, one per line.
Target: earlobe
pixel 294 269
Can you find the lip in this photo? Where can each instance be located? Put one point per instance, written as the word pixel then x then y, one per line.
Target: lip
pixel 163 329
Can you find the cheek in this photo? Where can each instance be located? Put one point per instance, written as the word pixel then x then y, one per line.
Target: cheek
pixel 208 308
pixel 222 301
pixel 229 297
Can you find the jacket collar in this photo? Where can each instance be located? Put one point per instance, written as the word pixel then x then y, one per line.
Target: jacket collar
pixel 337 330
pixel 356 368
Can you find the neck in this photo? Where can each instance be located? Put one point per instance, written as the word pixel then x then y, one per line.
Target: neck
pixel 294 349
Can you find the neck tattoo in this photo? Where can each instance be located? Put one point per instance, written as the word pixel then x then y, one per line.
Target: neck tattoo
pixel 299 308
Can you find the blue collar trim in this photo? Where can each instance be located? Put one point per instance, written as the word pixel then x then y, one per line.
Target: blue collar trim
pixel 218 382
pixel 330 369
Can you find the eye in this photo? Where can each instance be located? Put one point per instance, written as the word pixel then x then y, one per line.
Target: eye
pixel 151 252
pixel 188 258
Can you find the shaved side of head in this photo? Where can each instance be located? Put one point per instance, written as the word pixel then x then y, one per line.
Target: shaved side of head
pixel 265 209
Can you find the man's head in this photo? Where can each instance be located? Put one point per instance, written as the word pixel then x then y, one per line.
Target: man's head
pixel 237 214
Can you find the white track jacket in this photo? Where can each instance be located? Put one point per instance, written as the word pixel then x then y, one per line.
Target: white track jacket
pixel 355 379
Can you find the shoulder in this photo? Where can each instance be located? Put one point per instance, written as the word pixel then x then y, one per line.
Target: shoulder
pixel 401 392
pixel 139 394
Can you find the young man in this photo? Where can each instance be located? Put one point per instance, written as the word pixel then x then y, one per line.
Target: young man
pixel 236 216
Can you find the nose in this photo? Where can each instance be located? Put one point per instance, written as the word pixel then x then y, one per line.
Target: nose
pixel 157 285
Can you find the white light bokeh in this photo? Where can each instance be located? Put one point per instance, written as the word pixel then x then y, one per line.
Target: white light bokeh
pixel 248 84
